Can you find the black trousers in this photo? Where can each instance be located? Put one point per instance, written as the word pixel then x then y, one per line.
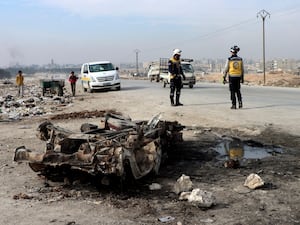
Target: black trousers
pixel 73 88
pixel 235 89
pixel 175 88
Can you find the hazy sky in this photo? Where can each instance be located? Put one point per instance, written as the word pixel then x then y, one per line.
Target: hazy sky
pixel 76 31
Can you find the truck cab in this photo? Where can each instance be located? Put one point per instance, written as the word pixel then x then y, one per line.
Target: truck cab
pixel 155 71
pixel 188 70
pixel 99 75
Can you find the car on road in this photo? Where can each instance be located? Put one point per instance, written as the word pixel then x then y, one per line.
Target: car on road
pixel 100 75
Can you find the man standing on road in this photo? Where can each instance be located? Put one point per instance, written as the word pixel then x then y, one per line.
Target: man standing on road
pixel 72 80
pixel 175 73
pixel 20 83
pixel 235 69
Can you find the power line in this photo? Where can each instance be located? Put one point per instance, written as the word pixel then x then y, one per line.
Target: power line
pixel 287 11
pixel 207 35
pixel 242 24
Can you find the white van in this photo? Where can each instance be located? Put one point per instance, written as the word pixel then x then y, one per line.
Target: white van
pixel 99 75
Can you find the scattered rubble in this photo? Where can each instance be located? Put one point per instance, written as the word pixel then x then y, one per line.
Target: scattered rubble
pixel 200 198
pixel 154 186
pixel 143 206
pixel 33 104
pixel 13 108
pixel 7 81
pixel 122 146
pixel 83 114
pixel 183 184
pixel 166 219
pixel 254 181
pixel 22 196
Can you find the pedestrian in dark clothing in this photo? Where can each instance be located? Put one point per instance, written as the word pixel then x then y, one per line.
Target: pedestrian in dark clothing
pixel 176 74
pixel 235 69
pixel 72 79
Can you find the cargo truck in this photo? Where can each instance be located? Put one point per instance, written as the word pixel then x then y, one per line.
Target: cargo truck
pixel 158 71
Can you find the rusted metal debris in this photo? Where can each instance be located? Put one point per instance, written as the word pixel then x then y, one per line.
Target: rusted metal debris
pixel 83 114
pixel 120 147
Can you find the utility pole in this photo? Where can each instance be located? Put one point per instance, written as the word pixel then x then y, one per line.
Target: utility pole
pixel 137 60
pixel 263 14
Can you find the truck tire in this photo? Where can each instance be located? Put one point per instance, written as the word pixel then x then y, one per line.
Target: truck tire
pixel 191 85
pixel 157 78
pixel 164 83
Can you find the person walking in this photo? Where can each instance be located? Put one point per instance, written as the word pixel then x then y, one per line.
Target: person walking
pixel 20 83
pixel 234 68
pixel 176 74
pixel 72 79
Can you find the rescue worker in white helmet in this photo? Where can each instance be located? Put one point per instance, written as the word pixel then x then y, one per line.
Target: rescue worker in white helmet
pixel 176 74
pixel 234 68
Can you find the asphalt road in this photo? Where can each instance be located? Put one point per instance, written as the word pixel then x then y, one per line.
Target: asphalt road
pixel 263 106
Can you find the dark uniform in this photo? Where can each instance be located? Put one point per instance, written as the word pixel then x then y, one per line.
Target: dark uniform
pixel 235 69
pixel 175 71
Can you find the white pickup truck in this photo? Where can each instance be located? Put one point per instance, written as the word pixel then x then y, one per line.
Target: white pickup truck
pixel 158 71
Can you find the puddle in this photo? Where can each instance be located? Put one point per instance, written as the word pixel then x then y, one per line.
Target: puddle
pixel 238 150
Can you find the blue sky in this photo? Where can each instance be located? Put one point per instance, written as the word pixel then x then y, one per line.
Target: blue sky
pixel 76 31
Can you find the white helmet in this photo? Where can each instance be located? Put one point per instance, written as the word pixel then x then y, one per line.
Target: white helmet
pixel 235 49
pixel 176 51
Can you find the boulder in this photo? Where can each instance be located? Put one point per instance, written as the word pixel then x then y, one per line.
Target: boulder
pixel 183 184
pixel 253 181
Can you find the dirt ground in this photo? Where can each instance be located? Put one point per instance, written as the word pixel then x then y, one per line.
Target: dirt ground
pixel 28 199
pixel 278 79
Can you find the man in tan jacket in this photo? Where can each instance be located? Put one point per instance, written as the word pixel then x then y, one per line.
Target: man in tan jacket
pixel 20 83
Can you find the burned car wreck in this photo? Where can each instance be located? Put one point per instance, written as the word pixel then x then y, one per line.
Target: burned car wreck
pixel 120 148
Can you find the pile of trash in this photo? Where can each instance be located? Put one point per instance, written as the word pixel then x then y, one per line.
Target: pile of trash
pixel 118 148
pixel 34 102
pixel 12 108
